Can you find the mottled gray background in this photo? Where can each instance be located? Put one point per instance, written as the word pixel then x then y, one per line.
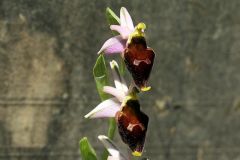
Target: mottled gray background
pixel 48 49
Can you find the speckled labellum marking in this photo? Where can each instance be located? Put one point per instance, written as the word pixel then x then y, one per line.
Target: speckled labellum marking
pixel 132 126
pixel 139 61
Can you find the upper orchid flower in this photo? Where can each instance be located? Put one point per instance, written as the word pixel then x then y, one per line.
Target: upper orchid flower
pixel 132 45
pixel 132 122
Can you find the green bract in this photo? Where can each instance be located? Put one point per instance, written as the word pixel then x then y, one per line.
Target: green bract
pixel 112 18
pixel 101 76
pixel 87 152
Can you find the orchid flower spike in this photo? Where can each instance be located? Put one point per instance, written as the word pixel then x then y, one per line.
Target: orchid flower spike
pixel 131 121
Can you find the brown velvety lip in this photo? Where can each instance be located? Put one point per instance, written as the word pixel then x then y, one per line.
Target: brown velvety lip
pixel 139 60
pixel 132 125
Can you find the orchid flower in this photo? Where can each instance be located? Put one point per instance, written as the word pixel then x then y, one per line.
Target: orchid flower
pixel 111 106
pixel 132 45
pixel 131 121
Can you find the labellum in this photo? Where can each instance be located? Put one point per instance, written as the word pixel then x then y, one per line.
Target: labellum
pixel 139 61
pixel 132 125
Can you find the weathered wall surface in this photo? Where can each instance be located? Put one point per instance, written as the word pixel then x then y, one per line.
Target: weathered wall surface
pixel 48 49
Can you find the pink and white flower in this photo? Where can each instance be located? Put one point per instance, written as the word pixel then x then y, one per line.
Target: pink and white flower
pixel 132 45
pixel 131 121
pixel 111 106
pixel 118 43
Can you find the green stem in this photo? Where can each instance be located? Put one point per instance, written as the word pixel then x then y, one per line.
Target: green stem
pixel 111 132
pixel 111 128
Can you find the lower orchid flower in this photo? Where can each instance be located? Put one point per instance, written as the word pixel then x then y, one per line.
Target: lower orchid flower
pixel 131 121
pixel 132 45
pixel 132 124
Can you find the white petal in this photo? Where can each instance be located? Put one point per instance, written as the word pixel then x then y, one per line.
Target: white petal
pixel 113 45
pixel 118 79
pixel 123 31
pixel 119 94
pixel 107 108
pixel 112 148
pixel 113 158
pixel 125 19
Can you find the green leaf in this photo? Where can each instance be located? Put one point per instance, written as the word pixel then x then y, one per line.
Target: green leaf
pixel 101 76
pixel 87 152
pixel 112 18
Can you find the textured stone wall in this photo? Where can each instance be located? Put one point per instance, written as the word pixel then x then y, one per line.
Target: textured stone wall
pixel 48 49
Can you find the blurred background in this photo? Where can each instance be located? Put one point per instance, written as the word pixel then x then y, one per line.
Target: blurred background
pixel 47 52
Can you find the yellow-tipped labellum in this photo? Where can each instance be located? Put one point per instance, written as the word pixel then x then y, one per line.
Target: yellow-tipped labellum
pixel 136 154
pixel 131 96
pixel 144 89
pixel 138 32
